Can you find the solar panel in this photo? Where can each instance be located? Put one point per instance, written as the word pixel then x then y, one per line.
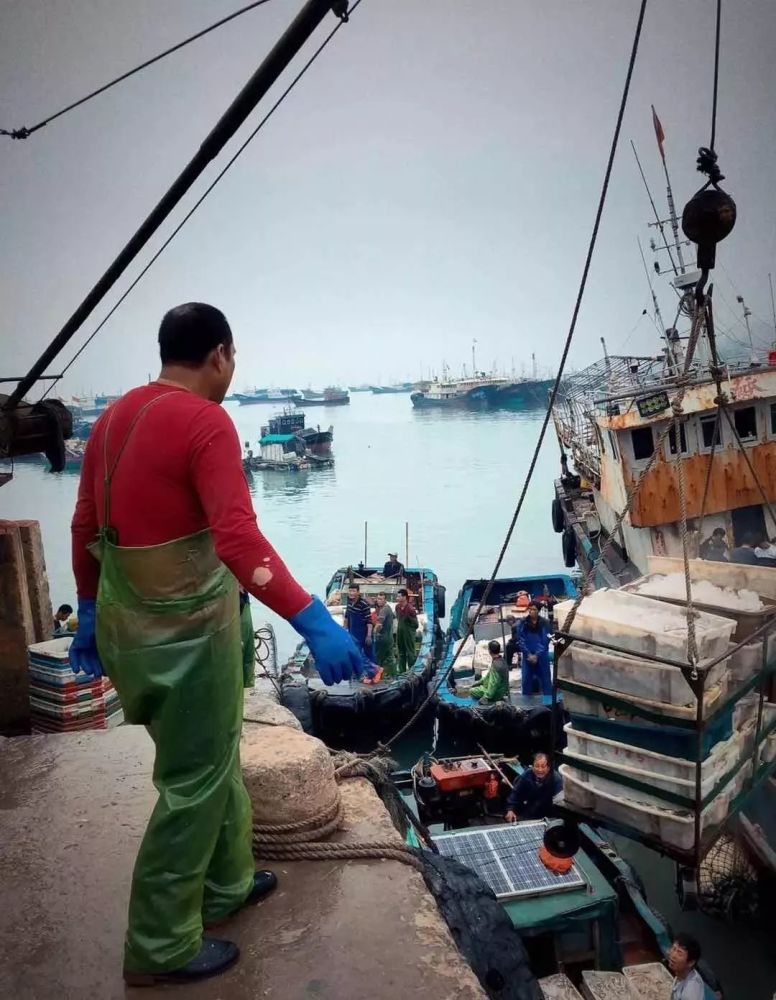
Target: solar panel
pixel 507 859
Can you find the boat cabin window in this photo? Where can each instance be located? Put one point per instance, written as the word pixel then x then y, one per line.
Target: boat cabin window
pixel 773 418
pixel 682 438
pixel 745 421
pixel 643 442
pixel 711 432
pixel 613 443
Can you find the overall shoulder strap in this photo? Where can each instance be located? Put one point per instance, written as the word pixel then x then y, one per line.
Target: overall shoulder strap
pixel 109 471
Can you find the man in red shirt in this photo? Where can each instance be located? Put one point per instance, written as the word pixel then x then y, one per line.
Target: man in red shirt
pixel 163 533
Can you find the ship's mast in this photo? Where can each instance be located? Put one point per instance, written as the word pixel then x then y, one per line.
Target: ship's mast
pixel 669 193
pixel 474 358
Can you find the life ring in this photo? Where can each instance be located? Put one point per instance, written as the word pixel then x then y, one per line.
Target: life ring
pixel 568 544
pixel 558 518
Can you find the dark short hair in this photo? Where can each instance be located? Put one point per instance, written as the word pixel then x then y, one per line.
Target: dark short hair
pixel 494 646
pixel 382 593
pixel 188 333
pixel 719 531
pixel 533 604
pixel 65 609
pixel 690 945
pixel 403 592
pixel 354 586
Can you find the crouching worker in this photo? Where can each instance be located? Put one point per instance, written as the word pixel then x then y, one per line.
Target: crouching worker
pixel 164 533
pixel 494 685
pixel 532 796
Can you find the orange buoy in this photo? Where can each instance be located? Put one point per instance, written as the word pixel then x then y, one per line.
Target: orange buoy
pixel 557 865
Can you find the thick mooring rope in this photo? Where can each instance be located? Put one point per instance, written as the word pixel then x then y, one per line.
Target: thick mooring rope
pixel 300 841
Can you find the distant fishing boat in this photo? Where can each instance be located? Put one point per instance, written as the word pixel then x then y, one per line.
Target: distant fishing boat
pixel 483 392
pixel 287 445
pixel 385 390
pixel 291 421
pixel 360 388
pixel 331 396
pixel 266 396
pixel 521 724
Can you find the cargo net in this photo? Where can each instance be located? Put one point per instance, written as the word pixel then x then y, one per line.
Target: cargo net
pixel 728 886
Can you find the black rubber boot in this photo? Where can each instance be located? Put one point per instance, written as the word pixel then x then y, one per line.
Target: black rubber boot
pixel 263 884
pixel 214 958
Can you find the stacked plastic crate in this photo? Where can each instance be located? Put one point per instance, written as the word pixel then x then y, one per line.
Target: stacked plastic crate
pixel 63 702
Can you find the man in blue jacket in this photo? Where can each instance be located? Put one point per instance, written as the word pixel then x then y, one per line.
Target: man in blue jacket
pixel 532 796
pixel 533 640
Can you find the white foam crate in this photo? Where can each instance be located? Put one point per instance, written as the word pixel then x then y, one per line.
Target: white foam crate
pixel 673 827
pixel 582 705
pixel 631 675
pixel 671 774
pixel 644 625
pixel 650 981
pixel 558 987
pixel 606 986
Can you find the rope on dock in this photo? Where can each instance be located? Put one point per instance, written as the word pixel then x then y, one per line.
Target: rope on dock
pixel 378 851
pixel 301 840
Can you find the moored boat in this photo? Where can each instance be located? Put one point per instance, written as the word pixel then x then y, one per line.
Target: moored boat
pixel 331 396
pixel 522 722
pixel 582 916
pixel 345 713
pixel 483 392
pixel 387 390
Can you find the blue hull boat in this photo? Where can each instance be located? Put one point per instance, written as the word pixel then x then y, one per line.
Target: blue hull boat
pixel 522 724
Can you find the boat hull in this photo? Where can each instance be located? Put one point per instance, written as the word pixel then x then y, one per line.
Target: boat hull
pixel 514 396
pixel 337 401
pixel 352 715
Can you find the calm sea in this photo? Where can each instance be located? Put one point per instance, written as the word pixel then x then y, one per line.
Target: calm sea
pixel 454 478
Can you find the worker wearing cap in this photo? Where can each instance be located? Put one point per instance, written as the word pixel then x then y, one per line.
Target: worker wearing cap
pixel 393 567
pixel 164 533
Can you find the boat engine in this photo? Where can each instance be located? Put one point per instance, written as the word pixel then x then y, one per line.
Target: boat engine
pixel 455 792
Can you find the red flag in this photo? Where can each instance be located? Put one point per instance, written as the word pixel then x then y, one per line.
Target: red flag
pixel 661 136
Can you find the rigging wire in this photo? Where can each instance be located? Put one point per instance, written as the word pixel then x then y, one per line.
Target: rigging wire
pixel 556 385
pixel 658 220
pixel 24 132
pixel 200 200
pixel 716 76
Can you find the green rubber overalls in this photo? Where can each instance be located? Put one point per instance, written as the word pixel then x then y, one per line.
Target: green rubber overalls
pixel 168 635
pixel 248 642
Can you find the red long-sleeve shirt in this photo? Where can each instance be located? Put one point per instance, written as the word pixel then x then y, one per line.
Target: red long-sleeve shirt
pixel 180 472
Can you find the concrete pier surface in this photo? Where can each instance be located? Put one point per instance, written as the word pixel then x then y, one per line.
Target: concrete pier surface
pixel 72 811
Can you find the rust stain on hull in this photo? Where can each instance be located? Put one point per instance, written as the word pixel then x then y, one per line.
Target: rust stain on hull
pixel 731 486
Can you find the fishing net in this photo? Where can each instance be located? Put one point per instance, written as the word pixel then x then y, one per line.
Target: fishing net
pixel 481 929
pixel 727 882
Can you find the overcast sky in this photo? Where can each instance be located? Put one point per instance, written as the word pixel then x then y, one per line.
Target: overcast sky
pixel 432 179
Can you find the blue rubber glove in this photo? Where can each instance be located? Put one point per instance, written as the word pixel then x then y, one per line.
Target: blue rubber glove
pixel 336 656
pixel 83 648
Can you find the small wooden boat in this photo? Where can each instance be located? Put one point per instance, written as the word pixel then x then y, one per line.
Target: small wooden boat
pixel 590 927
pixel 523 723
pixel 345 713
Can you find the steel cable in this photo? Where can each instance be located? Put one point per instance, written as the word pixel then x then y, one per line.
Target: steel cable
pixel 24 132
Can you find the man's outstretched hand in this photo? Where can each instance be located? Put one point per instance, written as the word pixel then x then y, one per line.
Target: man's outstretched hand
pixel 337 658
